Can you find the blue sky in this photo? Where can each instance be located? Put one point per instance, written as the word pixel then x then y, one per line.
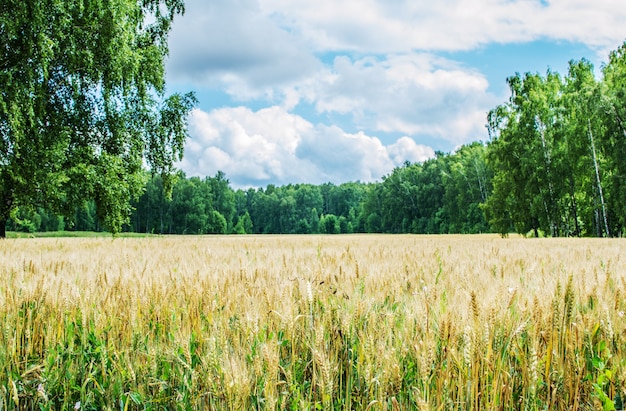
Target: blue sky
pixel 295 91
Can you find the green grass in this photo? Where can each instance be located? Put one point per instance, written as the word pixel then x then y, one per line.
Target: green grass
pixel 75 234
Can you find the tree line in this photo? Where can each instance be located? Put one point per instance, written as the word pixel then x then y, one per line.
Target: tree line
pixel 441 195
pixel 553 165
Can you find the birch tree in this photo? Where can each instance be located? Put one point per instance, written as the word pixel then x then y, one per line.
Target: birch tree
pixel 83 104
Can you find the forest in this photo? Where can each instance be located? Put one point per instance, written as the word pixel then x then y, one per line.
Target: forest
pixel 441 195
pixel 553 165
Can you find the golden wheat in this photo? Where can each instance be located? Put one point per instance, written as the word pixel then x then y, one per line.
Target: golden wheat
pixel 295 322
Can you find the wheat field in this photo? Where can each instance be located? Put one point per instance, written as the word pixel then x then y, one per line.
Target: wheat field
pixel 354 322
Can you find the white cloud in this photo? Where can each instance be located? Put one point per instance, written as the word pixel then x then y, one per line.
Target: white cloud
pixel 247 146
pixel 414 94
pixel 405 149
pixel 232 44
pixel 341 156
pixel 273 145
pixel 404 25
pixel 385 78
pixel 255 48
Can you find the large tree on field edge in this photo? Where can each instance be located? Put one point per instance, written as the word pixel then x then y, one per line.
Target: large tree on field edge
pixel 83 105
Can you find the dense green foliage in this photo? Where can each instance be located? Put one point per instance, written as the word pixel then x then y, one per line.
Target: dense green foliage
pixel 441 195
pixel 83 104
pixel 557 149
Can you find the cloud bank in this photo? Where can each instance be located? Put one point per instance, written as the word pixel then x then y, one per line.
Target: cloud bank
pixel 272 145
pixel 402 25
pixel 333 91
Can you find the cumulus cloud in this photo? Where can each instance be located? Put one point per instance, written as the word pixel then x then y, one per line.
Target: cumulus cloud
pixel 371 65
pixel 405 149
pixel 232 44
pixel 255 148
pixel 255 48
pixel 341 156
pixel 414 94
pixel 404 25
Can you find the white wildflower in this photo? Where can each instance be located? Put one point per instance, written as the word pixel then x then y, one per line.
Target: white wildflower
pixel 41 391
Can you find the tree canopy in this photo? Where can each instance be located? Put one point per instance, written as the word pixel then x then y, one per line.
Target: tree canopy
pixel 557 149
pixel 83 104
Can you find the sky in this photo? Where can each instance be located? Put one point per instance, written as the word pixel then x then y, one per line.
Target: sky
pixel 315 91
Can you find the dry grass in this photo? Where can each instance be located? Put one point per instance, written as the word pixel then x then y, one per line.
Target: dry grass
pixel 313 322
